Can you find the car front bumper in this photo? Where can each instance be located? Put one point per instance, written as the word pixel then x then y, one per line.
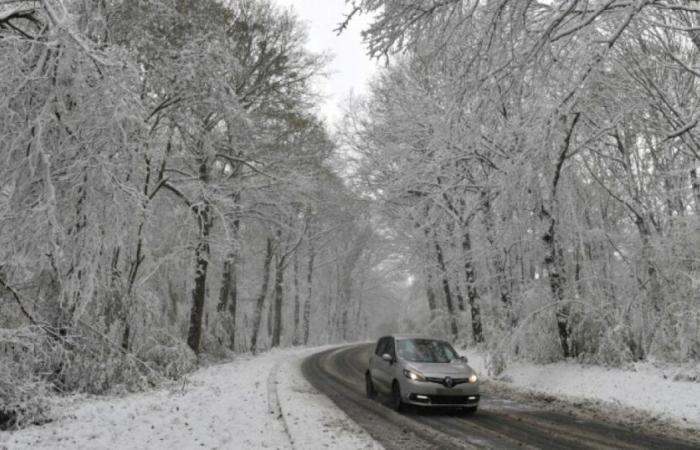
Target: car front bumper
pixel 426 393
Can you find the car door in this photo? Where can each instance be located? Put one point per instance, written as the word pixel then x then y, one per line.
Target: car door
pixel 385 368
pixel 377 365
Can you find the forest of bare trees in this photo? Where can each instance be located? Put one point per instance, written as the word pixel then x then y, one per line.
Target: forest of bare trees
pixel 523 176
pixel 166 192
pixel 541 158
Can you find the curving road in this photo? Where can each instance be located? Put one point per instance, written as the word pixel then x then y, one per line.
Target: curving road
pixel 500 422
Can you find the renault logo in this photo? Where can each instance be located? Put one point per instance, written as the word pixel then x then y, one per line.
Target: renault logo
pixel 449 382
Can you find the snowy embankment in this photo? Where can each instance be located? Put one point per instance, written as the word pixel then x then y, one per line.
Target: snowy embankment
pixel 658 392
pixel 253 402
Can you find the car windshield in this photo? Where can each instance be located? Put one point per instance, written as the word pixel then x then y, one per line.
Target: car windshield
pixel 426 351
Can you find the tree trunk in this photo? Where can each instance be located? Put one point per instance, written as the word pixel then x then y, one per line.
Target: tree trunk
pixel 194 335
pixel 554 256
pixel 260 302
pixel 227 296
pixel 309 284
pixel 233 303
pixel 125 335
pixel 305 321
pixel 472 292
pixel 498 263
pixel 695 183
pixel 297 306
pixel 654 290
pixel 138 259
pixel 445 286
pixel 461 304
pixel 270 318
pixel 279 295
pixel 336 298
pixel 430 293
pixel 114 306
pixel 553 263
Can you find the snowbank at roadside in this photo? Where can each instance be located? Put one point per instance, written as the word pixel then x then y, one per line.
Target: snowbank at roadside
pixel 252 402
pixel 644 387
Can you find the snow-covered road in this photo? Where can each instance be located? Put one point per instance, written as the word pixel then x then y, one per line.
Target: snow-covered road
pixel 507 417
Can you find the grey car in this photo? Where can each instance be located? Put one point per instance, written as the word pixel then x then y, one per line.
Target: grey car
pixel 420 370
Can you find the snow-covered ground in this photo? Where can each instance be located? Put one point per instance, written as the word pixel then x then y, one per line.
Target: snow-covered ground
pixel 253 402
pixel 264 402
pixel 645 387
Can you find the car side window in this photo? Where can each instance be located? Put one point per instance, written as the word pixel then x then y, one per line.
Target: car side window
pixel 381 346
pixel 390 349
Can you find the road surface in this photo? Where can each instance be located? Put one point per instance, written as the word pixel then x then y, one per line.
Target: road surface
pixel 500 422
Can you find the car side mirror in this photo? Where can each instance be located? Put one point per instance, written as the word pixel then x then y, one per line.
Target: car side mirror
pixel 387 357
pixel 463 358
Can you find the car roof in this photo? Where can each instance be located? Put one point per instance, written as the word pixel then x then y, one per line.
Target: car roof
pixel 414 336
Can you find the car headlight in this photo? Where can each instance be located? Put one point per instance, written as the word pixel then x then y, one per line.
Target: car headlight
pixel 473 379
pixel 413 375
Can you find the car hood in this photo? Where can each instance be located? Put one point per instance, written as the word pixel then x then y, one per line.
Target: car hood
pixel 439 370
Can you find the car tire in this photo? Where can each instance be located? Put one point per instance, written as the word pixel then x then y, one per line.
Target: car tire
pixel 396 401
pixel 369 386
pixel 469 410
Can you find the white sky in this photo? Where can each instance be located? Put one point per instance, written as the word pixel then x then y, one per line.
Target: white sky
pixel 350 68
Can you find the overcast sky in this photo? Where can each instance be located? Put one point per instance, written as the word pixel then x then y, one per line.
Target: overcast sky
pixel 350 68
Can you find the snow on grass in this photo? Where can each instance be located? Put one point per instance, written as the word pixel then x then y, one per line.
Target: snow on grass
pixel 645 387
pixel 252 402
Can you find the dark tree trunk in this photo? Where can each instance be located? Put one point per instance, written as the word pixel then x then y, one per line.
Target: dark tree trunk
pixel 233 304
pixel 309 284
pixel 260 302
pixel 114 305
pixel 270 318
pixel 461 304
pixel 472 293
pixel 498 262
pixel 430 293
pixel 201 254
pixel 297 306
pixel 337 304
pixel 554 257
pixel 138 259
pixel 226 276
pixel 554 264
pixel 228 296
pixel 695 183
pixel 445 286
pixel 125 336
pixel 279 297
pixel 654 289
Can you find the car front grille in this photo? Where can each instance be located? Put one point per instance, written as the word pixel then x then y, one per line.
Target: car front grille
pixel 455 381
pixel 445 399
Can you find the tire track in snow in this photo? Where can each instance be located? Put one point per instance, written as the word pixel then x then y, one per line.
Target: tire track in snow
pixel 273 401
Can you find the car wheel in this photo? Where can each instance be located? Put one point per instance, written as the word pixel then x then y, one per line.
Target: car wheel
pixel 469 410
pixel 369 386
pixel 396 401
